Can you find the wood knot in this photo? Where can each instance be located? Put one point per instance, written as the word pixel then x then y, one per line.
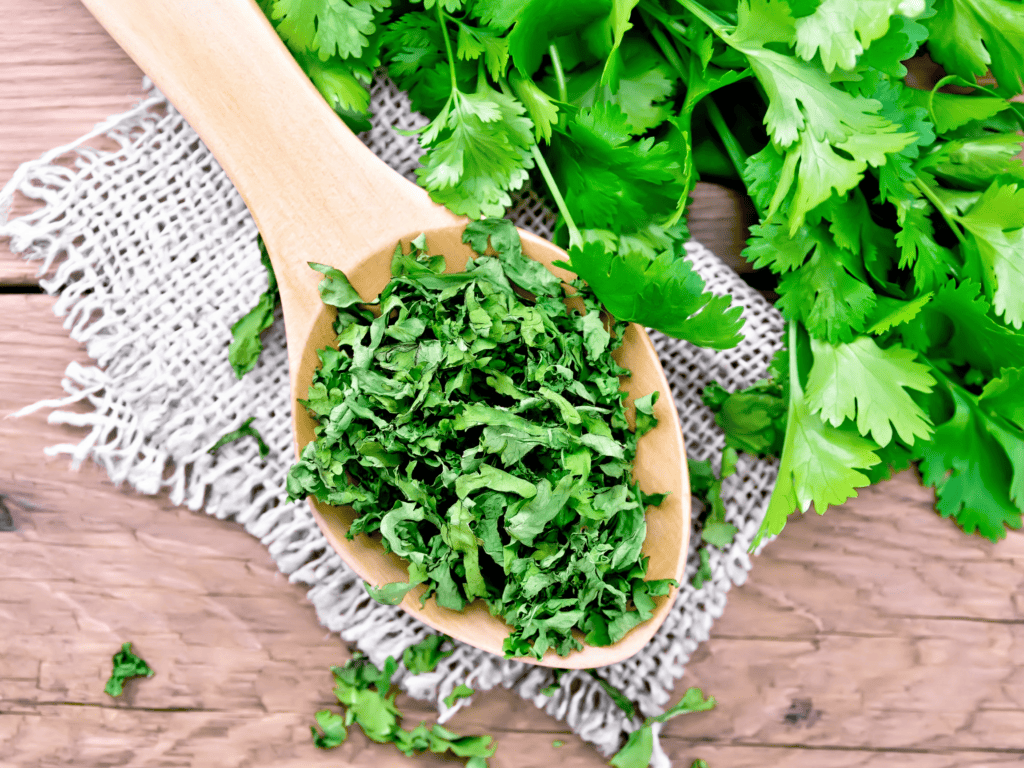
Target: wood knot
pixel 801 712
pixel 6 519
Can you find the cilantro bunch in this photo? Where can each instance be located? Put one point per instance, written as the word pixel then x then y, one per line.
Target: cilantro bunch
pixel 894 220
pixel 558 91
pixel 891 213
pixel 480 431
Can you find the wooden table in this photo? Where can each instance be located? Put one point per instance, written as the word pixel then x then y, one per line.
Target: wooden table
pixel 877 635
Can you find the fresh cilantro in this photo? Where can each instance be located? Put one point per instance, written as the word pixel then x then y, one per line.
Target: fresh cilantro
pixel 484 437
pixel 246 345
pixel 126 666
pixel 891 216
pixel 327 26
pixel 664 293
pixel 460 691
pixel 425 655
pixel 828 135
pixel 337 43
pixel 366 697
pixel 704 572
pixel 863 381
pixel 976 463
pixel 820 464
pixel 970 38
pixel 639 747
pixel 246 430
pixel 618 697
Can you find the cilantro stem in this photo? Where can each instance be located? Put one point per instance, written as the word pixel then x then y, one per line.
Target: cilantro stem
pixel 556 65
pixel 667 50
pixel 575 239
pixel 795 390
pixel 732 146
pixel 673 26
pixel 447 45
pixel 941 208
pixel 717 25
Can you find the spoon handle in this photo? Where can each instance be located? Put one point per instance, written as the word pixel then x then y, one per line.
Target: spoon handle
pixel 316 192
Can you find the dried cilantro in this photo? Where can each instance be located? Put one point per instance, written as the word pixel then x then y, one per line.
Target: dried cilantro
pixel 367 698
pixel 480 432
pixel 126 666
pixel 425 655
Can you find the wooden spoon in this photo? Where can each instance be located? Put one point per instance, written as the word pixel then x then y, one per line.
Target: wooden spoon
pixel 318 194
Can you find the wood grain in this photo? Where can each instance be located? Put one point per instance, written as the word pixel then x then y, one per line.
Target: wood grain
pixel 878 635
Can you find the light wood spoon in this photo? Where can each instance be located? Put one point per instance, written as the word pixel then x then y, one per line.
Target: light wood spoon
pixel 318 194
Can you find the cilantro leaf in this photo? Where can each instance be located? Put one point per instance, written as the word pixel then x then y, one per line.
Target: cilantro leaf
pixel 425 655
pixel 932 264
pixel 331 731
pixel 1004 395
pixel 826 298
pixel 863 381
pixel 327 26
pixel 753 419
pixel 889 312
pixel 807 116
pixel 971 469
pixel 664 293
pixel 246 345
pixel 637 751
pixel 644 83
pixel 996 227
pixel 839 31
pixel 639 747
pixel 957 325
pixel 478 150
pixel 820 464
pixel 950 111
pixel 461 691
pixel 969 38
pixel 610 180
pixel 126 666
pixel 542 108
pixel 539 21
pixel 246 430
pixel 693 701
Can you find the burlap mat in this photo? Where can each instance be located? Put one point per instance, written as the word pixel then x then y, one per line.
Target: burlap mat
pixel 153 256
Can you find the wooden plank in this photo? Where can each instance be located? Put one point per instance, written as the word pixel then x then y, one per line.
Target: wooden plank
pixel 60 74
pixel 904 634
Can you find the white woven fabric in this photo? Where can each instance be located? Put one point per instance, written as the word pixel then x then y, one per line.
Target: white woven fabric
pixel 153 256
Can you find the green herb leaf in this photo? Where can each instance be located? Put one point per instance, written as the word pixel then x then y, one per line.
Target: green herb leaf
pixel 246 345
pixel 664 293
pixel 126 666
pixel 246 430
pixel 483 436
pixel 331 731
pixel 863 381
pixel 459 692
pixel 969 38
pixel 425 655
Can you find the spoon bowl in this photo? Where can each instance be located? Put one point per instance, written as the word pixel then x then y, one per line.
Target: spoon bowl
pixel 317 193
